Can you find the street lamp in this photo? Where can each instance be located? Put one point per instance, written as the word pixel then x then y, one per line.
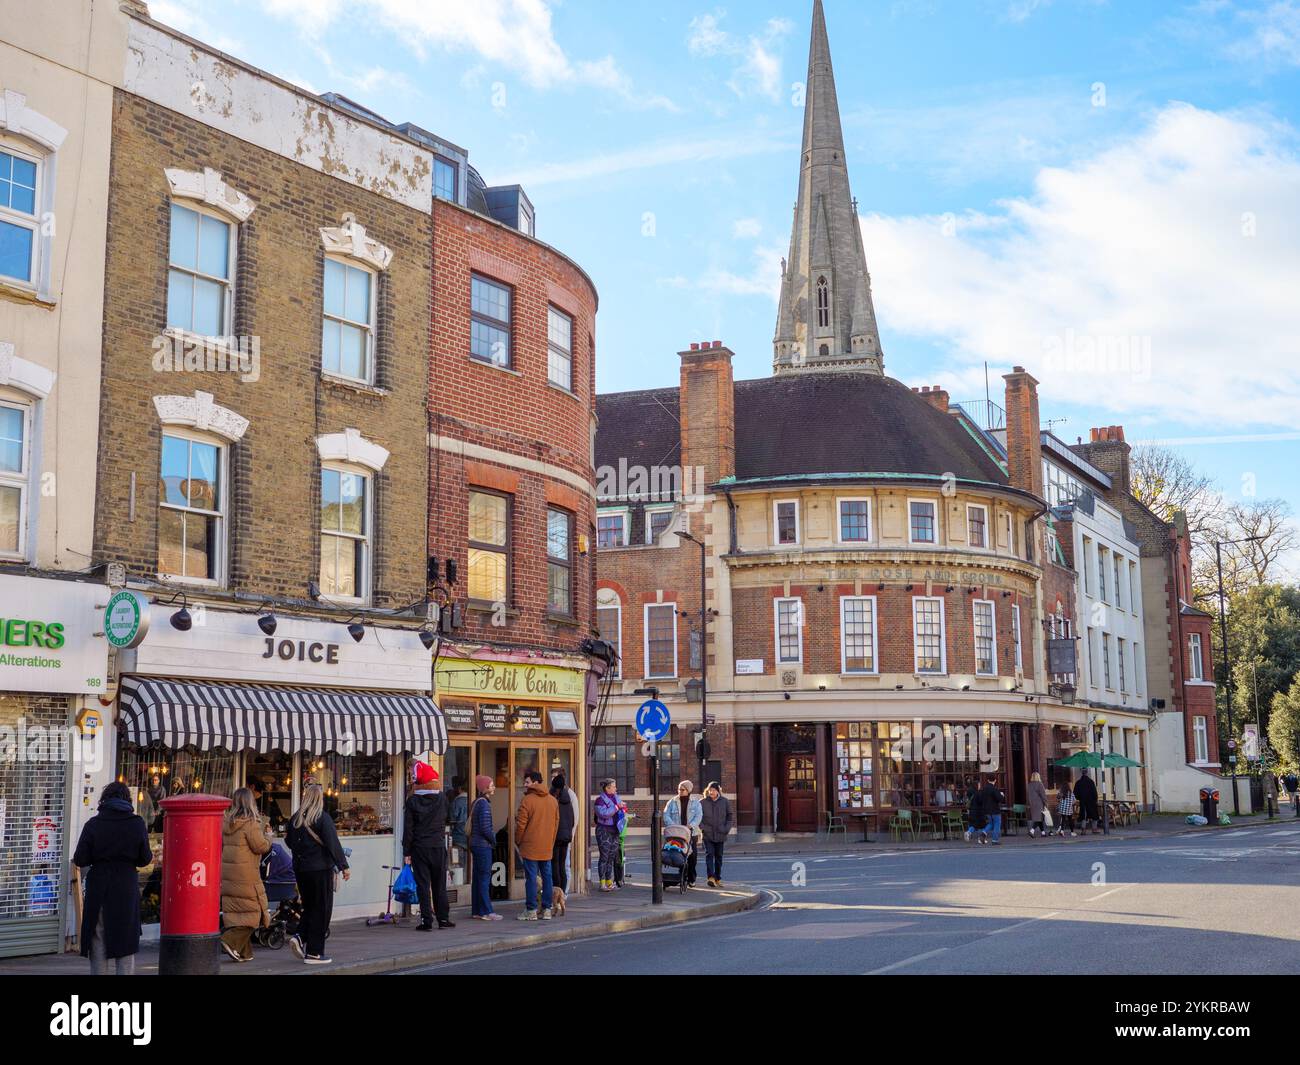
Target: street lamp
pixel 704 659
pixel 1099 723
pixel 1227 658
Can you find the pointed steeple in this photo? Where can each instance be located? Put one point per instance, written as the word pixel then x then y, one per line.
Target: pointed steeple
pixel 825 319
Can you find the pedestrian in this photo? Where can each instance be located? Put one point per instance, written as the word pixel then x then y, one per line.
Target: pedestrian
pixel 1037 806
pixel 424 845
pixel 685 809
pixel 245 837
pixel 536 823
pixel 458 813
pixel 482 838
pixel 717 822
pixel 991 800
pixel 607 814
pixel 564 834
pixel 266 804
pixel 113 846
pixel 313 841
pixel 974 812
pixel 1066 804
pixel 1085 791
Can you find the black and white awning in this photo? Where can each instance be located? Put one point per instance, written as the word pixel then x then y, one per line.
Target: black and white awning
pixel 208 714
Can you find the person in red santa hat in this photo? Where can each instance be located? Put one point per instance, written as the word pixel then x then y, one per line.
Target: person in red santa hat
pixel 424 845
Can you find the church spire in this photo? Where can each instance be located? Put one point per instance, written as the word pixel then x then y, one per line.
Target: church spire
pixel 825 319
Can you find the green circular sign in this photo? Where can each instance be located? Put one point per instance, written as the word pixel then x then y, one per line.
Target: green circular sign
pixel 126 620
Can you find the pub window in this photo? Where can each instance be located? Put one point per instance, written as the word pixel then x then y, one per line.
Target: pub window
pixel 489 547
pixel 855 521
pixel 789 631
pixel 559 346
pixel 201 262
pixel 986 655
pixel 490 322
pixel 345 534
pixel 977 519
pixel 927 635
pixel 661 640
pixel 614 751
pixel 191 510
pixel 559 562
pixel 785 515
pixel 921 523
pixel 611 529
pixel 609 626
pixel 15 476
pixel 348 329
pixel 858 634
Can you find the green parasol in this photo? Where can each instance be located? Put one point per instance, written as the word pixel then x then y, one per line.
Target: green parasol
pixel 1092 760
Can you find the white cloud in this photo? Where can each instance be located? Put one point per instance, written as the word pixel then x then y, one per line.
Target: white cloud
pixel 763 279
pixel 757 56
pixel 746 228
pixel 1147 240
pixel 1274 37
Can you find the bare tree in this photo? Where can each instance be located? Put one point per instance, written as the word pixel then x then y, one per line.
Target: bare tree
pixel 1271 536
pixel 1167 482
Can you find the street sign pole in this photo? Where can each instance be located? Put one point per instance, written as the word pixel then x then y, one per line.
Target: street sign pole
pixel 656 831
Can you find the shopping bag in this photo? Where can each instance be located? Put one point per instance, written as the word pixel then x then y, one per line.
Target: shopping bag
pixel 1047 818
pixel 404 889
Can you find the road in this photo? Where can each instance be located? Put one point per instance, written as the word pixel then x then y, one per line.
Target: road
pixel 1213 902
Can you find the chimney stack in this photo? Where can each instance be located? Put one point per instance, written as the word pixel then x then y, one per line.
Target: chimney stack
pixel 935 396
pixel 1109 452
pixel 708 414
pixel 1024 442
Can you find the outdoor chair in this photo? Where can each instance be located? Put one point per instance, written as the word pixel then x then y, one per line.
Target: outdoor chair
pixel 902 822
pixel 834 823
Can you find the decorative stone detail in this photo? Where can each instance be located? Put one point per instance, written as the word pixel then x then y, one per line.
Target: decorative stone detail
pixel 22 121
pixel 350 239
pixel 25 376
pixel 207 186
pixel 351 446
pixel 200 412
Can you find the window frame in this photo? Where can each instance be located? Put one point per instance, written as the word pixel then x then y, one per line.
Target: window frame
pixel 776 628
pixel 566 564
pixel 371 328
pixel 32 222
pixel 993 636
pixel 1105 661
pixel 874 671
pixel 645 640
pixel 984 526
pixel 553 349
pixel 934 521
pixel 776 523
pixel 648 511
pixel 1200 739
pixel 1195 657
pixel 1087 552
pixel 22 479
pixel 506 549
pixel 615 512
pixel 455 178
pixel 839 519
pixel 943 637
pixel 617 607
pixel 232 255
pixel 222 513
pixel 1016 637
pixel 1116 559
pixel 506 326
pixel 1102 552
pixel 1123 675
pixel 603 739
pixel 365 577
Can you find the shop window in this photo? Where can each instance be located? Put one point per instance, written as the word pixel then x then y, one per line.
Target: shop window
pixel 191 509
pixel 358 792
pixel 935 768
pixel 559 349
pixel 15 476
pixel 614 751
pixel 201 262
pixel 270 776
pixel 348 330
pixel 661 640
pixel 489 547
pixel 921 523
pixel 490 322
pixel 559 562
pixel 345 534
pixel 854 765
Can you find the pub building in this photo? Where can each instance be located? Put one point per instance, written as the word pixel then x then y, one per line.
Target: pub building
pixel 216 704
pixel 508 715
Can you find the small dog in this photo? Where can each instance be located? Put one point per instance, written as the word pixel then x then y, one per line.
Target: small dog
pixel 557 901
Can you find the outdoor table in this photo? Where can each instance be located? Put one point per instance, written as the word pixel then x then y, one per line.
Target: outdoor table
pixel 864 818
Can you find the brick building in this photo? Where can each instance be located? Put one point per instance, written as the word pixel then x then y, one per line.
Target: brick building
pixel 511 493
pixel 263 460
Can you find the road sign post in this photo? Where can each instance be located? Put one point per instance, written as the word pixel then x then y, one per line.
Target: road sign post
pixel 652 724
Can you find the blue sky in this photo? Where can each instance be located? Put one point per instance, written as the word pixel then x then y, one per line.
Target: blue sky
pixel 1106 193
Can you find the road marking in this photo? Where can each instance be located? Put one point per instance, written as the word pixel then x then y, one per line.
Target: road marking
pixel 1105 893
pixel 1287 832
pixel 1021 924
pixel 908 961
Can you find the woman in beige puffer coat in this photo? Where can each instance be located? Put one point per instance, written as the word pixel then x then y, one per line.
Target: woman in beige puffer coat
pixel 244 839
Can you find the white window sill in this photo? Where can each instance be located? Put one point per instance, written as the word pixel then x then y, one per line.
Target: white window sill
pixel 495 366
pixel 564 391
pixel 176 332
pixel 353 383
pixel 16 291
pixel 189 582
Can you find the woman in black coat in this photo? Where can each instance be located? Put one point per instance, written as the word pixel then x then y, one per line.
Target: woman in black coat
pixel 114 844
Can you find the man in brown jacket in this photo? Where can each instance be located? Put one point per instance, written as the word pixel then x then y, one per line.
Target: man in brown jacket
pixel 536 823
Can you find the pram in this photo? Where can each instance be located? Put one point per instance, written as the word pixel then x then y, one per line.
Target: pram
pixel 282 892
pixel 675 856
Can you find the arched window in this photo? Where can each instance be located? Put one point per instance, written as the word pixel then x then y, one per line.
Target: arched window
pixel 823 303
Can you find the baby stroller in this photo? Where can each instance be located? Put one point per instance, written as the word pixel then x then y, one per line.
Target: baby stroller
pixel 675 855
pixel 282 892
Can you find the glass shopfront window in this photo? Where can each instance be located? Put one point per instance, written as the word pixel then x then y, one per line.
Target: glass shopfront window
pixel 885 764
pixel 358 792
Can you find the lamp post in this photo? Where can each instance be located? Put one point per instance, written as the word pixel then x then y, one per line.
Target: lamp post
pixel 704 658
pixel 1099 723
pixel 1227 658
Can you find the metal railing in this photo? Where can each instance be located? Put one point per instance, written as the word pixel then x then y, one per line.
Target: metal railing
pixel 984 413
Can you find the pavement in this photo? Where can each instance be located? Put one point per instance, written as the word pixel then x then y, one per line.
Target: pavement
pixel 357 949
pixel 1214 901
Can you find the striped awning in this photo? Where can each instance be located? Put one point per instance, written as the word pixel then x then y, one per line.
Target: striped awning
pixel 207 714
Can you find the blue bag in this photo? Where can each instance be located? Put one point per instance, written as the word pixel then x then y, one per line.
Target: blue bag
pixel 404 889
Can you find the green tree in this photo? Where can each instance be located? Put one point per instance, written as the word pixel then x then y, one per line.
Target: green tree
pixel 1284 725
pixel 1264 631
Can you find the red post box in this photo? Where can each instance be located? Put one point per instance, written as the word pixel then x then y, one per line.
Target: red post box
pixel 191 885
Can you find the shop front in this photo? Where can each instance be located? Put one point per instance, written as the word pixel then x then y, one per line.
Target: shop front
pixel 505 719
pixel 53 669
pixel 224 705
